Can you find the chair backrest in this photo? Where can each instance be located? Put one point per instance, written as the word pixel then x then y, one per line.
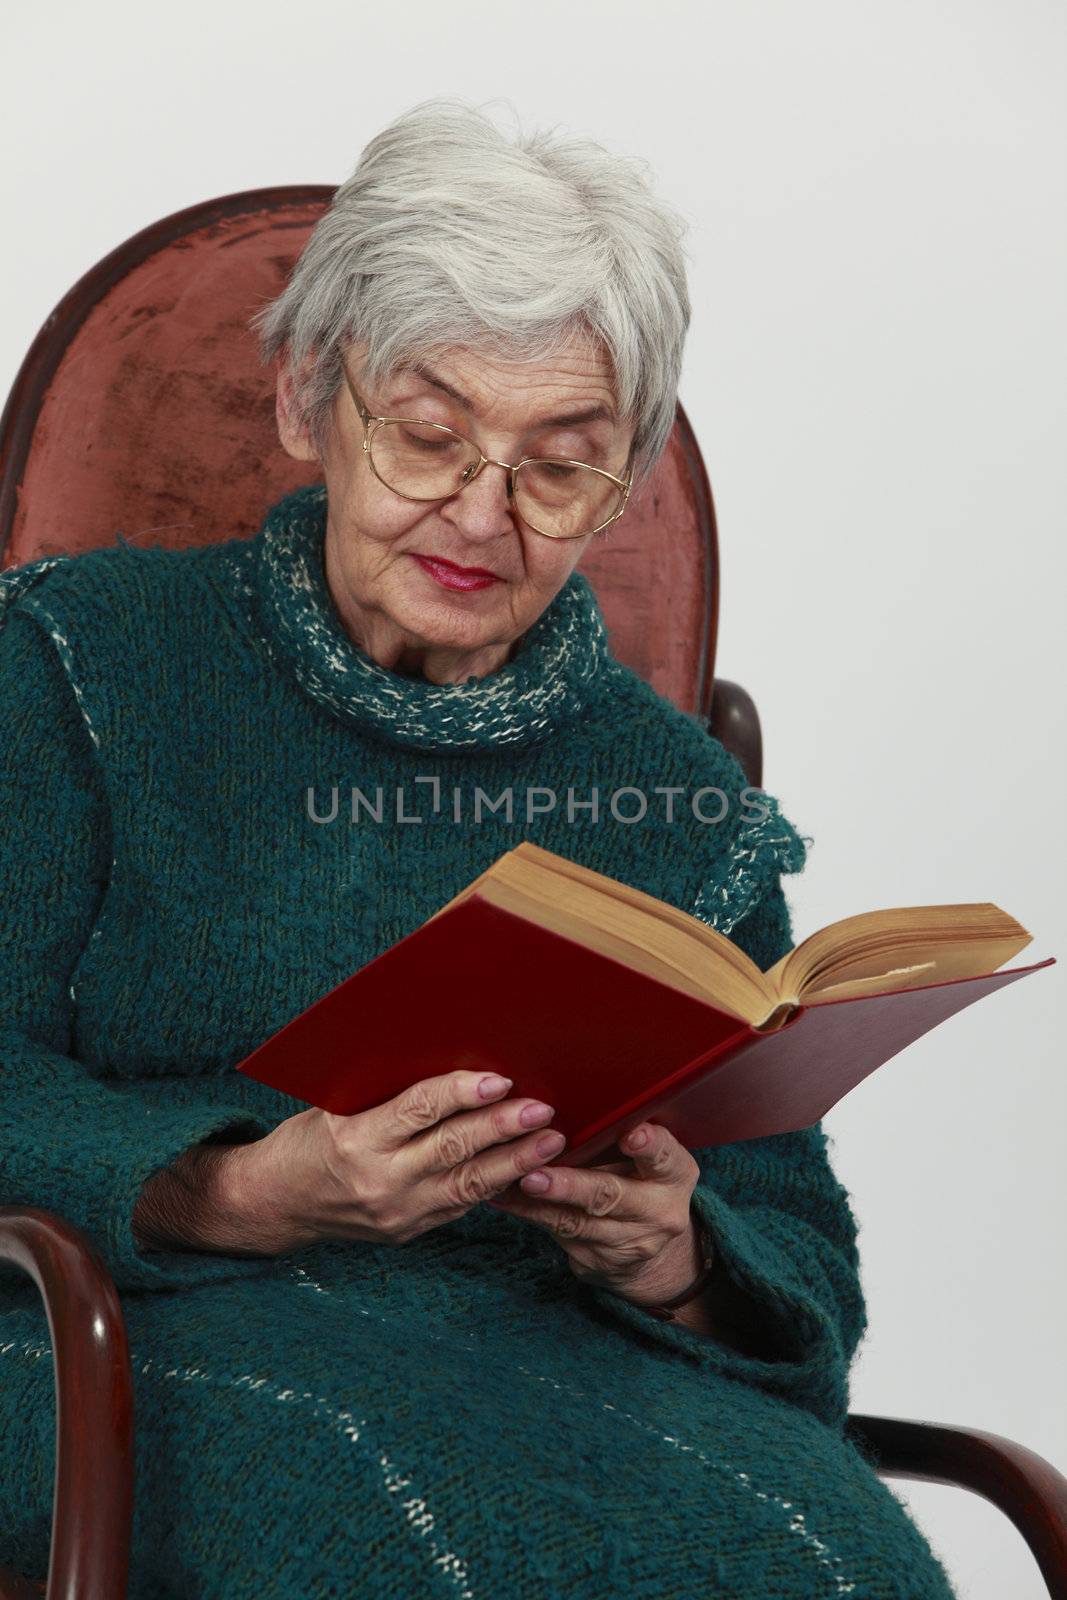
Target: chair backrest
pixel 142 409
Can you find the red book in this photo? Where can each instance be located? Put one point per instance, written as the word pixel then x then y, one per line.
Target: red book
pixel 616 1008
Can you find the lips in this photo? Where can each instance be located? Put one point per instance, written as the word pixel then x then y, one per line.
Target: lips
pixel 468 572
pixel 458 579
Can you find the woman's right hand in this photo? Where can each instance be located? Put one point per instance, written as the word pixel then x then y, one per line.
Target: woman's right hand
pixel 391 1173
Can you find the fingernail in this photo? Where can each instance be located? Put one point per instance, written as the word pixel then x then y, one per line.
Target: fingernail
pixel 493 1084
pixel 638 1139
pixel 530 1116
pixel 550 1145
pixel 536 1182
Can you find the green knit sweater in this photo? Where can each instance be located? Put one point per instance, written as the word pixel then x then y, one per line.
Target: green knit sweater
pixel 215 807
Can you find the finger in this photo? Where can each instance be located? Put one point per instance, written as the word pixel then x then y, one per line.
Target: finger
pixel 595 1190
pixel 513 1191
pixel 567 1222
pixel 423 1104
pixel 623 1168
pixel 657 1156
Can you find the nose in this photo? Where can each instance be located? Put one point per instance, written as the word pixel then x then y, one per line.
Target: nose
pixel 481 510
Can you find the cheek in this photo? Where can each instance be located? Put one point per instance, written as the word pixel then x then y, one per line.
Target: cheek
pixel 546 571
pixel 388 526
pixel 550 563
pixel 384 515
pixel 381 516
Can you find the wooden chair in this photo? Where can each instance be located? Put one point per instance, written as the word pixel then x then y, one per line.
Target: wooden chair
pixel 141 409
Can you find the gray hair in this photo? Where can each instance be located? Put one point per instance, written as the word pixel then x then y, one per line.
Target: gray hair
pixel 448 233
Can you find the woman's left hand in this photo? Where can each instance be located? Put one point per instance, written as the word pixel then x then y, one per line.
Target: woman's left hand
pixel 625 1226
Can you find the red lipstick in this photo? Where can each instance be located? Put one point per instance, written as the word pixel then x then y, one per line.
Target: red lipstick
pixel 451 576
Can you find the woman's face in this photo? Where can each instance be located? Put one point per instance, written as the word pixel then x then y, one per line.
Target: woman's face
pixel 374 537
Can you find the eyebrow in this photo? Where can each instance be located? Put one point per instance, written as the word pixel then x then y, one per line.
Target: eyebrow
pixel 599 412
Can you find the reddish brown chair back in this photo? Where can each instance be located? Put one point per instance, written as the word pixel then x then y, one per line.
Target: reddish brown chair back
pixel 142 409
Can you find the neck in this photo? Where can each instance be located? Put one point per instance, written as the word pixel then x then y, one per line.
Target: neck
pixel 397 650
pixel 439 664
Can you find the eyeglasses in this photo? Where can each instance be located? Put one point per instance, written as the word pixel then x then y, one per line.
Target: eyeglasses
pixel 554 496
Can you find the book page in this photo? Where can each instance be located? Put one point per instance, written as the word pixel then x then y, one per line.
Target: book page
pixel 647 934
pixel 900 948
pixel 897 948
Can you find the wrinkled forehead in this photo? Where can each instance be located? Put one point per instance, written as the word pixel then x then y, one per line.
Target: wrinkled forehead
pixel 571 389
pixel 578 374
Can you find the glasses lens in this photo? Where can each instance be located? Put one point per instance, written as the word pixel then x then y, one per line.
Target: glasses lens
pixel 420 460
pixel 565 500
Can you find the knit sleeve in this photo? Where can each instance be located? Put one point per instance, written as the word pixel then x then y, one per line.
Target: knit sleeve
pixel 782 1228
pixel 71 1141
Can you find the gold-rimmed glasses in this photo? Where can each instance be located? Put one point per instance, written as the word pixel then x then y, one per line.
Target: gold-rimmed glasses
pixel 554 496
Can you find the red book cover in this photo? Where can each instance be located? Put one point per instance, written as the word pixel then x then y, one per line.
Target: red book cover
pixel 606 1046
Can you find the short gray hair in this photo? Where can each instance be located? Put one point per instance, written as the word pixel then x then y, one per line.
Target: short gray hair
pixel 448 233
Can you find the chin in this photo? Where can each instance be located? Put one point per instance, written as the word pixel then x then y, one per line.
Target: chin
pixel 448 625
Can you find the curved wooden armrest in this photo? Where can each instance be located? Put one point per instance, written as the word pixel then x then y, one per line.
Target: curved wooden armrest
pixel 93 1499
pixel 734 721
pixel 1025 1486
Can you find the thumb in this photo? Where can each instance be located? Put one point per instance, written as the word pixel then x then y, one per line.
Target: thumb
pixel 656 1153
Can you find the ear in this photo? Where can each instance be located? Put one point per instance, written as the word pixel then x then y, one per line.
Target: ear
pixel 292 431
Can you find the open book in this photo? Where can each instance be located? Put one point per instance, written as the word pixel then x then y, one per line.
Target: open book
pixel 616 1007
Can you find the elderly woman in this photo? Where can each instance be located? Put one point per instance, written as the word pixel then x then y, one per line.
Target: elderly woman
pixel 393 1353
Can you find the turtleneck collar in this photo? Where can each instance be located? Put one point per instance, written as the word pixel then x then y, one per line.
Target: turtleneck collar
pixel 546 682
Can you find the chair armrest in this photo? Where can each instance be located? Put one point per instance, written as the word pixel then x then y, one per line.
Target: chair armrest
pixel 734 721
pixel 93 1497
pixel 1025 1486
